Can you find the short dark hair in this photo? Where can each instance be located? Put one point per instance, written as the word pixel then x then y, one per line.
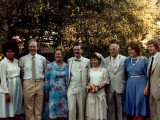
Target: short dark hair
pixel 97 57
pixel 134 45
pixel 154 42
pixel 10 45
pixel 79 44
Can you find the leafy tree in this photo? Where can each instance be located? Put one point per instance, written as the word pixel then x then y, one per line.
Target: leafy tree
pixel 95 23
pixel 118 21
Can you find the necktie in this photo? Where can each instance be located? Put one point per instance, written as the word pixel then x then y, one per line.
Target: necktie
pixel 114 64
pixel 150 70
pixel 33 69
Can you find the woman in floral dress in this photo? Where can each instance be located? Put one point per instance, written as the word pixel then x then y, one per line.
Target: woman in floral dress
pixel 56 77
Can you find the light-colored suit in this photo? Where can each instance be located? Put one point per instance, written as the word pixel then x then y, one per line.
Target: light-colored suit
pixel 115 89
pixel 155 88
pixel 77 100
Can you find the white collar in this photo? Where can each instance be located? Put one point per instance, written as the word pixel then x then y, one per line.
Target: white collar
pixel 32 55
pixel 115 57
pixel 154 56
pixel 7 60
pixel 78 59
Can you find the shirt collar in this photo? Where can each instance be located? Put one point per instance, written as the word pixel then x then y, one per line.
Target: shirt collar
pixel 7 60
pixel 155 56
pixel 32 55
pixel 80 59
pixel 115 57
pixel 54 62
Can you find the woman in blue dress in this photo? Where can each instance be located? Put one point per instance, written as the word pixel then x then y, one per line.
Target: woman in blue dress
pixel 56 77
pixel 136 100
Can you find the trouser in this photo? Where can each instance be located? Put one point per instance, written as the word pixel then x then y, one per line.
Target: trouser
pixel 33 99
pixel 115 106
pixel 154 108
pixel 76 103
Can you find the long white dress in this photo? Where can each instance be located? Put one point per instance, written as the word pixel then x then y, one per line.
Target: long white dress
pixel 96 105
pixel 10 83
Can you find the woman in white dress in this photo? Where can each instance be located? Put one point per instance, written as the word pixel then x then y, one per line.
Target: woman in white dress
pixel 96 105
pixel 10 87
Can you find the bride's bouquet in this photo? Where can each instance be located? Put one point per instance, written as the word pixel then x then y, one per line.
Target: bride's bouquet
pixel 92 87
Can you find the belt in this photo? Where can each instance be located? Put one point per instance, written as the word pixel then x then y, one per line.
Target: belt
pixel 36 80
pixel 136 76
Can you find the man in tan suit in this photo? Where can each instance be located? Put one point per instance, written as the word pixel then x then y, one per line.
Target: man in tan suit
pixel 78 69
pixel 153 72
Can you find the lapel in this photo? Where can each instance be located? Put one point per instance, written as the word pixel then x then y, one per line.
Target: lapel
pixel 83 66
pixel 149 63
pixel 120 64
pixel 70 62
pixel 155 62
pixel 110 64
pixel 82 62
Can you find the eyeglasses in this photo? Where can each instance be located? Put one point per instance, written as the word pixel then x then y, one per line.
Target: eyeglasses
pixel 114 49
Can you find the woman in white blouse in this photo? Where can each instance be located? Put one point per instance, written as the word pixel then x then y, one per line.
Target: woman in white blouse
pixel 11 87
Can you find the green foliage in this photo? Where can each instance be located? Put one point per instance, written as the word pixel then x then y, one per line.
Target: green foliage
pixel 118 21
pixel 95 23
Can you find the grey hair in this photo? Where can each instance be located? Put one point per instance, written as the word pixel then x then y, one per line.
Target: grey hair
pixel 115 44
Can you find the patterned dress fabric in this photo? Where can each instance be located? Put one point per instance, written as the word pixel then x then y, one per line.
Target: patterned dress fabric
pixel 96 105
pixel 10 83
pixel 136 103
pixel 55 83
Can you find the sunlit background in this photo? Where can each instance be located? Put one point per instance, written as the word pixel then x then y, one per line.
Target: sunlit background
pixel 95 23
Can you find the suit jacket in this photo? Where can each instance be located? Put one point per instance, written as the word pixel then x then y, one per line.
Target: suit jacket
pixel 155 77
pixel 85 68
pixel 116 79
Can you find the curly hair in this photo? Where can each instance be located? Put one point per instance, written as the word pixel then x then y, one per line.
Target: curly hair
pixel 134 45
pixel 10 45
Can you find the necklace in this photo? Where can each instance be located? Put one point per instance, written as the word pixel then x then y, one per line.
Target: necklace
pixel 135 62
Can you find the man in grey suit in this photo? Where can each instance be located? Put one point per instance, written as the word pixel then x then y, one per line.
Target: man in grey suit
pixel 115 90
pixel 78 80
pixel 153 72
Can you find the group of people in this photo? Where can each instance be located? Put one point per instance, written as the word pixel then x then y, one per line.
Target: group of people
pixel 81 89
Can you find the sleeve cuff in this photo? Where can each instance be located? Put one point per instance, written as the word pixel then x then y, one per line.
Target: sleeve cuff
pixel 6 91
